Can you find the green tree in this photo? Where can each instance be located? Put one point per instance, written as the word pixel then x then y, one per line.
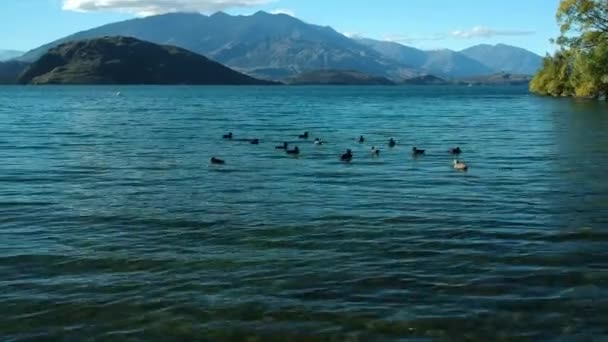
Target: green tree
pixel 554 77
pixel 590 72
pixel 587 18
pixel 580 67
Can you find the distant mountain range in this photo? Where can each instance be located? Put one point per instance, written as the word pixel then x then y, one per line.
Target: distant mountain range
pixel 126 60
pixel 279 47
pixel 477 60
pixel 505 58
pixel 6 55
pixel 443 63
pixel 263 45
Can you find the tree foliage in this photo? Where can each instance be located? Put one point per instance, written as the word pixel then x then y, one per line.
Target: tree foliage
pixel 580 66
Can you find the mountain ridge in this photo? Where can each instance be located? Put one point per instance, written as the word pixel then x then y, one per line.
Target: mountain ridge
pixel 505 58
pixel 126 60
pixel 256 42
pixel 279 46
pixel 469 62
pixel 6 55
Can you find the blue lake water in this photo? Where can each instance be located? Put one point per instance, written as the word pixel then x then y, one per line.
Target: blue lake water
pixel 113 225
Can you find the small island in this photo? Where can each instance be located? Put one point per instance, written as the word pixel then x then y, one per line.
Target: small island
pixel 338 77
pixel 124 60
pixel 500 79
pixel 425 80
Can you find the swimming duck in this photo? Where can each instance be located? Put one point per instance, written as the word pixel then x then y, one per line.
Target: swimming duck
pixel 228 136
pixel 295 151
pixel 361 140
pixel 375 151
pixel 284 147
pixel 217 161
pixel 458 165
pixel 255 141
pixel 318 141
pixel 417 152
pixel 456 150
pixel 348 156
pixel 392 143
pixel 304 136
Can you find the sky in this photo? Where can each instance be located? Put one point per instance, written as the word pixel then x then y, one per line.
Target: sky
pixel 426 24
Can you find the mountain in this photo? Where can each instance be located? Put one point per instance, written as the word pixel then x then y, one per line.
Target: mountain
pixel 505 58
pixel 445 63
pixel 10 71
pixel 279 47
pixel 408 55
pixel 338 77
pixel 5 55
pixel 452 64
pixel 121 60
pixel 266 45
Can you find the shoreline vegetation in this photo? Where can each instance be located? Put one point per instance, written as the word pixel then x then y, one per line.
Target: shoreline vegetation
pixel 580 66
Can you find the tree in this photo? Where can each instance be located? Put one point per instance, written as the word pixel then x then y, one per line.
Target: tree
pixel 554 77
pixel 588 18
pixel 590 72
pixel 580 67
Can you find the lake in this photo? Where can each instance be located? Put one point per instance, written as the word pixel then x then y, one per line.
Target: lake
pixel 114 225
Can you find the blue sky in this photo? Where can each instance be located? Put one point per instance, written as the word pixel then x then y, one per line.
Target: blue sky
pixel 427 24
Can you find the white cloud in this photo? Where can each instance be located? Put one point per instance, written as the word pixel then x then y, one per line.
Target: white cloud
pixel 287 11
pixel 486 32
pixel 475 32
pixel 353 35
pixel 406 39
pixel 149 7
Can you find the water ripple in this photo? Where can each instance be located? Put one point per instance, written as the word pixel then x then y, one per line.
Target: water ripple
pixel 114 226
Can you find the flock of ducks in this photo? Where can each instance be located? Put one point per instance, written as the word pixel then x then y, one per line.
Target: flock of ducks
pixel 348 155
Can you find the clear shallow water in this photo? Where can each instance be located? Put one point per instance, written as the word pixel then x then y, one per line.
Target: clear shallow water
pixel 113 225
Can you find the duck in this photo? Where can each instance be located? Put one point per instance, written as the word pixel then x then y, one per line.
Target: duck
pixel 295 151
pixel 283 147
pixel 456 150
pixel 303 136
pixel 318 141
pixel 347 157
pixel 228 136
pixel 417 152
pixel 392 142
pixel 361 140
pixel 375 151
pixel 255 141
pixel 217 161
pixel 458 165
